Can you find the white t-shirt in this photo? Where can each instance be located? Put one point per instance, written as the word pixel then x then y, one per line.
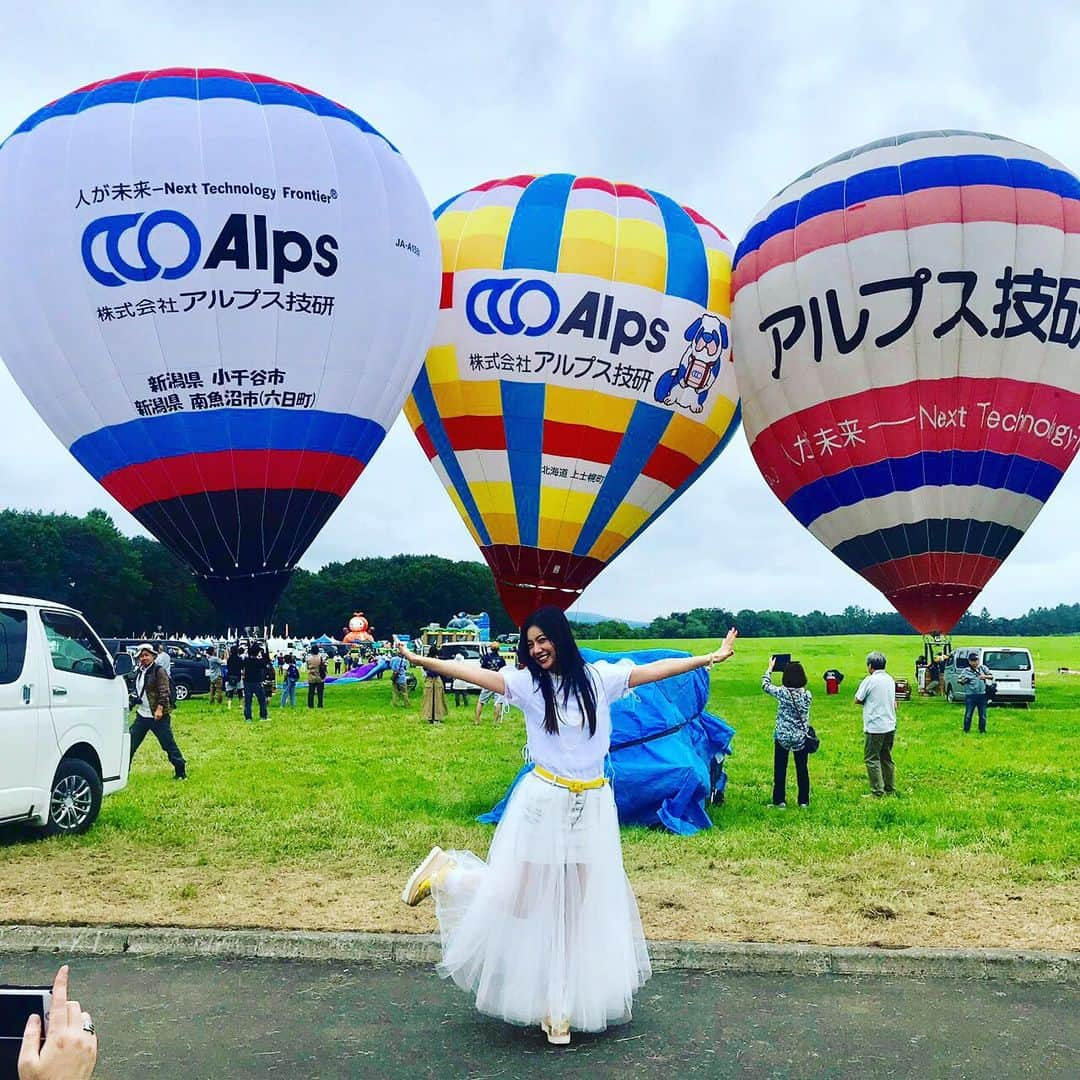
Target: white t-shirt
pixel 143 709
pixel 571 753
pixel 877 694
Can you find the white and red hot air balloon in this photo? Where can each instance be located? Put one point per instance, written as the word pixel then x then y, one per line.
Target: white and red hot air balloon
pixel 905 338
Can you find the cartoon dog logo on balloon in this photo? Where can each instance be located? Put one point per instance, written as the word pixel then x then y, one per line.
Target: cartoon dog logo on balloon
pixel 688 384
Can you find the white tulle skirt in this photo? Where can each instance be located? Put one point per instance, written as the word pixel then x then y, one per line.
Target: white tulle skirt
pixel 547 928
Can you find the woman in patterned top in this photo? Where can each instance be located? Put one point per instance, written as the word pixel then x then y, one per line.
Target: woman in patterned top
pixel 792 720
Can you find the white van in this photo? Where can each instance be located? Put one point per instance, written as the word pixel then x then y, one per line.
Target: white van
pixel 1013 671
pixel 64 742
pixel 466 652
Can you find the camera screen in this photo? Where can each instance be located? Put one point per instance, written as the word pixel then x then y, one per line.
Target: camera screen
pixel 17 1005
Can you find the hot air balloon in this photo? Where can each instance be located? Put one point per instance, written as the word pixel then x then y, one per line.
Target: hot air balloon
pixel 216 288
pixel 906 324
pixel 578 380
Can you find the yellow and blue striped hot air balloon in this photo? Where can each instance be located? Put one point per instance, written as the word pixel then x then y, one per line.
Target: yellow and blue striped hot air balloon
pixel 578 381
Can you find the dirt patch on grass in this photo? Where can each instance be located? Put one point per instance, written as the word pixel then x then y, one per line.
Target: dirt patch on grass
pixel 953 901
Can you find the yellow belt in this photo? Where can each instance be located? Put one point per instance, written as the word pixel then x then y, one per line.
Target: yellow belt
pixel 575 786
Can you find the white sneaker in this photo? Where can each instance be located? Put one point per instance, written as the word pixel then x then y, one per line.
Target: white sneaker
pixel 418 887
pixel 557 1034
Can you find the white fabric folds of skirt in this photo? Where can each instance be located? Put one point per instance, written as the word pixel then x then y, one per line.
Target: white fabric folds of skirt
pixel 548 927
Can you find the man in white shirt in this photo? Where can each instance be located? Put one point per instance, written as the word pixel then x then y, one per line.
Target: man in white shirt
pixel 164 659
pixel 877 696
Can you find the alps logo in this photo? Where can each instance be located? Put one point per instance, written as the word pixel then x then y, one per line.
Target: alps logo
pixel 531 307
pixel 244 242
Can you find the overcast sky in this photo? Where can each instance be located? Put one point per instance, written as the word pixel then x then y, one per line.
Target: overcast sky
pixel 717 104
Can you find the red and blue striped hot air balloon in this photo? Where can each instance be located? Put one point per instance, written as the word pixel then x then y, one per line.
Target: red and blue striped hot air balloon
pixel 216 288
pixel 906 331
pixel 578 380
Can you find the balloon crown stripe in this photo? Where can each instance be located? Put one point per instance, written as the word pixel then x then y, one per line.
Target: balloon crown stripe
pixel 200 84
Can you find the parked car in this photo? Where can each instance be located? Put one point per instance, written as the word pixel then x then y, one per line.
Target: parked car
pixel 188 673
pixel 467 652
pixel 1011 666
pixel 64 741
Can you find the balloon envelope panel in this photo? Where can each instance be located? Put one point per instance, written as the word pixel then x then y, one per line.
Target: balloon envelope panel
pixel 905 335
pixel 578 380
pixel 217 290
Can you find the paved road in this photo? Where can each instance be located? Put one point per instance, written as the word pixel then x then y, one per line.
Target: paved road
pixel 230 1020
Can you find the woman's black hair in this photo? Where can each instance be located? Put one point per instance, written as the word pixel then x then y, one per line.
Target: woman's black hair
pixel 575 679
pixel 794 677
pixel 433 652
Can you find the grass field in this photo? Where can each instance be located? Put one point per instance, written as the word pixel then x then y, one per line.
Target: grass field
pixel 313 820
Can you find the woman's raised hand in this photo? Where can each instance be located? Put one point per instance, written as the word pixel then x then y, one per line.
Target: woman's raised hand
pixel 727 648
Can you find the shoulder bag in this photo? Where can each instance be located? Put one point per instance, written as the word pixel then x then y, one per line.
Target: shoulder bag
pixel 812 744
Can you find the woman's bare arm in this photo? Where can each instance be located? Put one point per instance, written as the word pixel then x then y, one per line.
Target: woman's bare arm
pixel 456 669
pixel 643 674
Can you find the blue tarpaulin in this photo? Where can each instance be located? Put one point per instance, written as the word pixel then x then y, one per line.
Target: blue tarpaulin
pixel 666 750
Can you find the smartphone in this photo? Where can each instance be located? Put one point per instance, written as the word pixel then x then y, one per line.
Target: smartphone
pixel 782 661
pixel 17 1005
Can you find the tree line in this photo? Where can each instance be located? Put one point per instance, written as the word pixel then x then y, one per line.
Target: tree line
pixel 715 622
pixel 134 586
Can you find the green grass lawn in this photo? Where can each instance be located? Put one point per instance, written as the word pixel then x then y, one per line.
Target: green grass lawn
pixel 313 818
